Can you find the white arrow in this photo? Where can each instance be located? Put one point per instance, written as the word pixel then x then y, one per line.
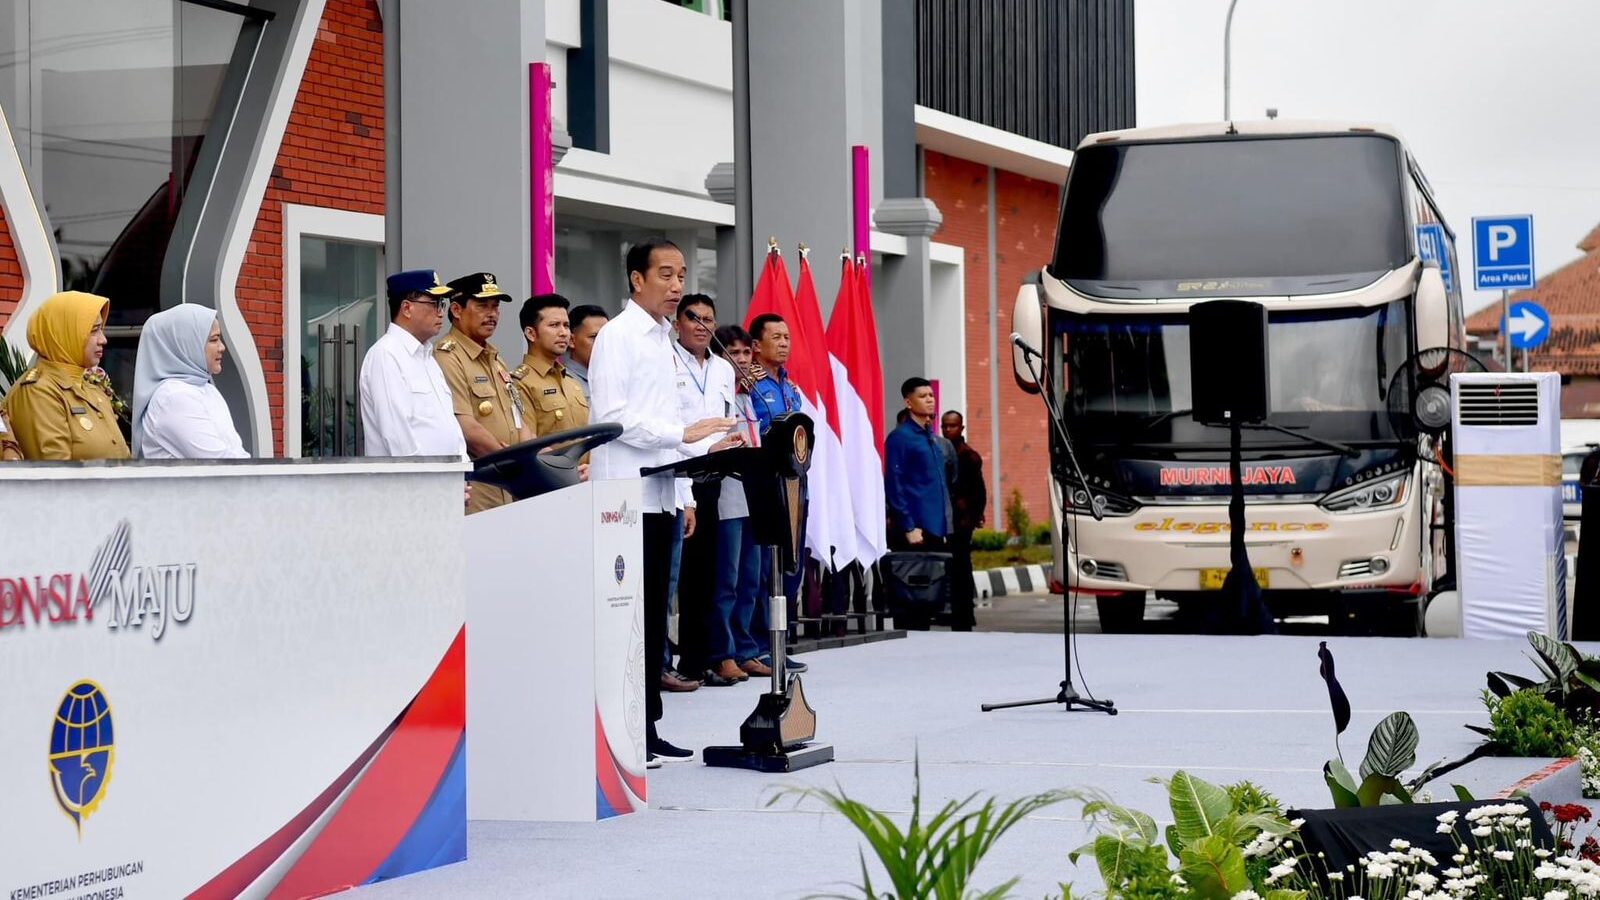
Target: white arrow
pixel 1525 325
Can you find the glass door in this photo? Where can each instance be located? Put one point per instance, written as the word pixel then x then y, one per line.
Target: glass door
pixel 342 311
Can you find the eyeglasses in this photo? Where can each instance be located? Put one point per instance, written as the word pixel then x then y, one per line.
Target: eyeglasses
pixel 435 302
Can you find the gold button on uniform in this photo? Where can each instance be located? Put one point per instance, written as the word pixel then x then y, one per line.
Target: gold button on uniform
pixel 85 424
pixel 480 389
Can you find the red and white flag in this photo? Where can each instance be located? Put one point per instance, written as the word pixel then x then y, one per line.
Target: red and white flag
pixel 858 384
pixel 830 479
pixel 773 295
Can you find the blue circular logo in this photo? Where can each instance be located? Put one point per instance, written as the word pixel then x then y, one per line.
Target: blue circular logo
pixel 81 751
pixel 619 569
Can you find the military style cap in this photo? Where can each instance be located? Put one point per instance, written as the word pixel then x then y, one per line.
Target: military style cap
pixel 479 285
pixel 412 281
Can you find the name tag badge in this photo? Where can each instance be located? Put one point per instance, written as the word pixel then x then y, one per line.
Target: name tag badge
pixel 79 411
pixel 550 392
pixel 479 379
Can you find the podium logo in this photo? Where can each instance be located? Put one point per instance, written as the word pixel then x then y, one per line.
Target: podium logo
pixel 619 568
pixel 82 750
pixel 124 594
pixel 622 515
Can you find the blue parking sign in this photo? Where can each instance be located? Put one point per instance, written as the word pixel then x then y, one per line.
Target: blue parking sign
pixel 1432 248
pixel 1502 252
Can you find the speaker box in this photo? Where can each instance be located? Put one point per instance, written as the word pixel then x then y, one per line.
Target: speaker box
pixel 1228 361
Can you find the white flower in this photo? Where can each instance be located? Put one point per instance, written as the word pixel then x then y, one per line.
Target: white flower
pixel 1425 881
pixel 1247 894
pixel 1447 817
pixel 1398 844
pixel 1504 855
pixel 1555 895
pixel 1482 831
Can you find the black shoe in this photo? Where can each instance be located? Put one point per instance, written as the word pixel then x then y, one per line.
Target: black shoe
pixel 667 753
pixel 710 678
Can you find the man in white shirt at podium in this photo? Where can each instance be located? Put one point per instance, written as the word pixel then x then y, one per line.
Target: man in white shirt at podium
pixel 405 403
pixel 632 383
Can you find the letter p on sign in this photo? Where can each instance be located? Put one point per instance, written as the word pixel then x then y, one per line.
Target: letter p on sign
pixel 1500 238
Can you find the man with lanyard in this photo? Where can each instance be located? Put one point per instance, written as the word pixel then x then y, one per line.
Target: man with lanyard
pixel 631 383
pixel 773 395
pixel 705 385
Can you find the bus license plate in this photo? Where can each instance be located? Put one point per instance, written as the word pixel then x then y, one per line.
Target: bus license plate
pixel 1211 579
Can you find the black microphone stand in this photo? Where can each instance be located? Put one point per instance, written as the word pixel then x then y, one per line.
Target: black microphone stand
pixel 1068 696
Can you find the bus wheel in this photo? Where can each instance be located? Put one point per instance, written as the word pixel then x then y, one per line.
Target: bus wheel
pixel 1121 613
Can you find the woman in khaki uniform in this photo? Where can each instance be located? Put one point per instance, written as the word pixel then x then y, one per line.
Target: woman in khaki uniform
pixel 58 409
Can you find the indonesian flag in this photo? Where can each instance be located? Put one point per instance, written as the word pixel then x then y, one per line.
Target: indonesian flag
pixel 834 482
pixel 773 295
pixel 858 383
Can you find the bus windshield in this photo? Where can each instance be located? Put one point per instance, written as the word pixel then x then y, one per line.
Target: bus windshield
pixel 1127 377
pixel 1281 215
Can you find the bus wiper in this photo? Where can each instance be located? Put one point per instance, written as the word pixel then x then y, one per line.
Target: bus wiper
pixel 1166 417
pixel 1335 446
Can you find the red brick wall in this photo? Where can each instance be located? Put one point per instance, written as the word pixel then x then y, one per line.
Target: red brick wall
pixel 10 273
pixel 1025 220
pixel 332 156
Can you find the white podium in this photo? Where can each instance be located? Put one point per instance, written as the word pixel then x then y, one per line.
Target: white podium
pixel 555 656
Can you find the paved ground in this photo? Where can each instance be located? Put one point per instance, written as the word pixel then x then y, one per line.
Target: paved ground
pixel 1041 614
pixel 1226 708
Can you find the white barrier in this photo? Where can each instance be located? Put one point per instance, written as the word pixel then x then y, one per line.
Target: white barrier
pixel 229 679
pixel 556 668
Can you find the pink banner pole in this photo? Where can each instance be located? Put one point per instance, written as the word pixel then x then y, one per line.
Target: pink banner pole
pixel 861 186
pixel 541 181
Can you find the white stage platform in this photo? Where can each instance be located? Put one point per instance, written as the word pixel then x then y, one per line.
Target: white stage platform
pixel 1225 708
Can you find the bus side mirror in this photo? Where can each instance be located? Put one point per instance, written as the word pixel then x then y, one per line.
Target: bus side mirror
pixel 1432 310
pixel 1027 321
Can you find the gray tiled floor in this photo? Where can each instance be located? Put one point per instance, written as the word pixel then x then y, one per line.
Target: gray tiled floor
pixel 1224 707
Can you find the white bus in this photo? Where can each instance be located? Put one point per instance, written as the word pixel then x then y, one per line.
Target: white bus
pixel 1333 228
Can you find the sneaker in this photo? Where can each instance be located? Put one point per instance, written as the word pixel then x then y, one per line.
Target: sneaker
pixel 790 664
pixel 665 752
pixel 652 763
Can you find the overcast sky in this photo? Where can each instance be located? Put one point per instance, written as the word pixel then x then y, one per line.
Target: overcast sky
pixel 1497 100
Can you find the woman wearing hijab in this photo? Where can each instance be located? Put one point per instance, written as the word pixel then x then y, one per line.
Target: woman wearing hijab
pixel 178 413
pixel 63 407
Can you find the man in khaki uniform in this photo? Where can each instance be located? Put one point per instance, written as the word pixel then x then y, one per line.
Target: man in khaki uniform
pixel 489 410
pixel 550 394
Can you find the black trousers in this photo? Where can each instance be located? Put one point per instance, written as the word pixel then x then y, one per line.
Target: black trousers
pixel 962 617
pixel 659 529
pixel 697 580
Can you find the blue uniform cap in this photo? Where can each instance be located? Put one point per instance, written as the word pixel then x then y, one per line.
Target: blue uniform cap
pixel 426 281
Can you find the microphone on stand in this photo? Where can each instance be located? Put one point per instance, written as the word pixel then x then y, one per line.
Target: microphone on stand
pixel 1024 346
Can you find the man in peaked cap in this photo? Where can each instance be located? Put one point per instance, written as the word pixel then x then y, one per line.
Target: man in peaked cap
pixel 405 402
pixel 486 406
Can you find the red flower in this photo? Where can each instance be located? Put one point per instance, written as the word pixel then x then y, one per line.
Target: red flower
pixel 1567 813
pixel 1590 850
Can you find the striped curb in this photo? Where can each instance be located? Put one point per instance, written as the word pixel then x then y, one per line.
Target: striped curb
pixel 990 583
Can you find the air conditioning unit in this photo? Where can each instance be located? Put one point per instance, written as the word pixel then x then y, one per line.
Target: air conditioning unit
pixel 1510 552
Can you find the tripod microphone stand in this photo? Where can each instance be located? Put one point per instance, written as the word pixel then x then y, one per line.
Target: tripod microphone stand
pixel 1068 696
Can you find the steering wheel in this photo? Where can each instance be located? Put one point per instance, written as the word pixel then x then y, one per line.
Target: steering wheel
pixel 543 464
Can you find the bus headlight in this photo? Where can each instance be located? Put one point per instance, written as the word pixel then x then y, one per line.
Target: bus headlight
pixel 1378 494
pixel 1077 499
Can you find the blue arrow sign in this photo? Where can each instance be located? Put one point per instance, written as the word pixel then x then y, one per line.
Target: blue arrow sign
pixel 1529 325
pixel 1502 252
pixel 1432 248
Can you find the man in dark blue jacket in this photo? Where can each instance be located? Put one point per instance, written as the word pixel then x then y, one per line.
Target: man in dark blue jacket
pixel 914 481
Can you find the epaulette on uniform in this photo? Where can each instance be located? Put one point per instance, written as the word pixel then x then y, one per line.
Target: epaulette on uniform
pixel 520 372
pixel 29 377
pixel 448 345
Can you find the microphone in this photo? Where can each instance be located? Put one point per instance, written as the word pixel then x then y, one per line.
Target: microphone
pixel 744 371
pixel 1024 346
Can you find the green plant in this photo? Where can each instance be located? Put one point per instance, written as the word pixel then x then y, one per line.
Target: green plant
pixel 13 363
pixel 1247 797
pixel 1391 750
pixel 1039 535
pixel 932 858
pixel 1208 837
pixel 986 539
pixel 1568 678
pixel 1526 723
pixel 1017 520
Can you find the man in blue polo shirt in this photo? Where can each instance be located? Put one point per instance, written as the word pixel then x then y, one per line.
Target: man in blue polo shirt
pixel 914 475
pixel 771 396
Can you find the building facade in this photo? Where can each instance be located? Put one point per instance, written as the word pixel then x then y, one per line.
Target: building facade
pixel 274 159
